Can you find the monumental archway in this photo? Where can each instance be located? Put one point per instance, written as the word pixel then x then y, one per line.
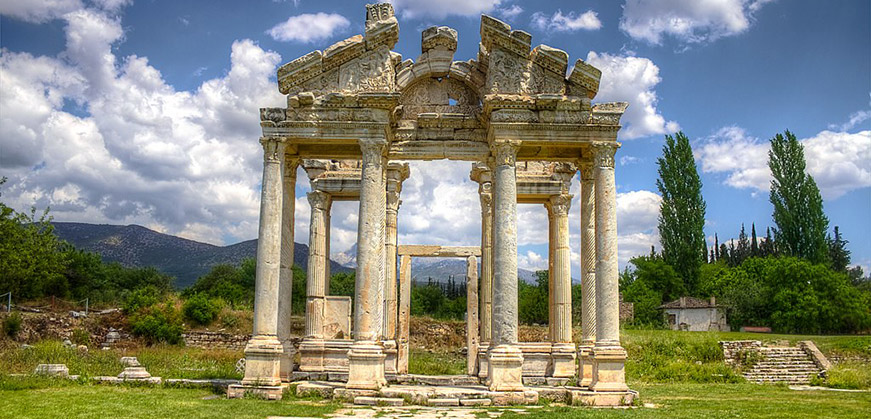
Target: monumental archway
pixel 511 109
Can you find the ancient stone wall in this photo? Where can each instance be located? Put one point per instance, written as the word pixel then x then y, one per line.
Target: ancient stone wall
pixel 215 340
pixel 732 349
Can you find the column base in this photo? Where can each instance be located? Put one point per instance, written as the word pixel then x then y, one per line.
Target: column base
pixel 505 368
pixel 366 366
pixel 564 357
pixel 608 369
pixel 391 352
pixel 585 365
pixel 311 355
pixel 263 361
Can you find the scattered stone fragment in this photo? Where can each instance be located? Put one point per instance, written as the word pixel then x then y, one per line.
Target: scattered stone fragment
pixel 52 370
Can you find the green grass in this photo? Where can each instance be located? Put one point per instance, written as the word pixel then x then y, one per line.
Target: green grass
pixel 46 398
pixel 848 375
pixel 160 361
pixel 724 401
pixel 435 363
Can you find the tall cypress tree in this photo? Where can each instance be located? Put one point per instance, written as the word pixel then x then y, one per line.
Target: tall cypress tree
pixel 754 244
pixel 743 250
pixel 716 248
pixel 798 206
pixel 682 211
pixel 838 253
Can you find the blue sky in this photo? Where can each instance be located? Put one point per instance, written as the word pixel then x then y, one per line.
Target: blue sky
pixel 117 111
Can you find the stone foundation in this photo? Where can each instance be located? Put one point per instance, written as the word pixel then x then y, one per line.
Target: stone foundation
pixel 215 340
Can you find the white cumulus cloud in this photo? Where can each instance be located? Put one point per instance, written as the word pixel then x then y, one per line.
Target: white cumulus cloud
pixel 309 27
pixel 38 11
pixel 570 22
pixel 632 79
pixel 687 21
pixel 838 161
pixel 140 151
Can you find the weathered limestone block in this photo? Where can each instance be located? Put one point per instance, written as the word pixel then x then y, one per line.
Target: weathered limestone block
pixel 52 370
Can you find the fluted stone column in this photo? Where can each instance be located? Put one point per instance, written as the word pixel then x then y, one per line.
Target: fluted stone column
pixel 561 284
pixel 588 273
pixel 263 352
pixel 366 358
pixel 312 347
pixel 608 356
pixel 390 282
pixel 505 359
pixel 404 313
pixel 285 287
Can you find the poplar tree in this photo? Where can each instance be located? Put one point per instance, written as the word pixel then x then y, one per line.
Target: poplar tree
pixel 682 211
pixel 798 207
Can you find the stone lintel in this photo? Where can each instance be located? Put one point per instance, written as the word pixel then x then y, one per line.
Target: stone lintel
pixel 420 250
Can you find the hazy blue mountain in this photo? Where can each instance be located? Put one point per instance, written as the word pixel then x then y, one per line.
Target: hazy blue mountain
pixel 186 260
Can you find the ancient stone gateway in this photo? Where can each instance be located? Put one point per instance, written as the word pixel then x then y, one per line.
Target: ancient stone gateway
pixel 353 112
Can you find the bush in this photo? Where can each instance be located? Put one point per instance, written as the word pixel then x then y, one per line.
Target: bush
pixel 12 325
pixel 158 324
pixel 200 309
pixel 139 299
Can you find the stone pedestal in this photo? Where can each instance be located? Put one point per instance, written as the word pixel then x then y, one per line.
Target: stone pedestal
pixel 505 366
pixel 564 357
pixel 311 355
pixel 366 366
pixel 585 366
pixel 262 362
pixel 608 370
pixel 391 355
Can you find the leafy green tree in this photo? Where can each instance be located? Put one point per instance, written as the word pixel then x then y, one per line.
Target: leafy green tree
pixel 200 309
pixel 798 206
pixel 682 211
pixel 532 300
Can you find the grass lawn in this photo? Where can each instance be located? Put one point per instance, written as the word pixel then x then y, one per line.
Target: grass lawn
pixel 725 401
pixel 45 398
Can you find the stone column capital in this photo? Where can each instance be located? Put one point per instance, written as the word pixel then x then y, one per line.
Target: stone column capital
pixel 393 202
pixel 319 200
pixel 373 149
pixel 505 152
pixel 559 205
pixel 588 175
pixel 273 149
pixel 603 154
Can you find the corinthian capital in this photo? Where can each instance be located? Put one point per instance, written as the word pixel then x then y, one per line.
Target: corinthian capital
pixel 273 149
pixel 319 200
pixel 559 204
pixel 587 173
pixel 505 152
pixel 603 154
pixel 373 150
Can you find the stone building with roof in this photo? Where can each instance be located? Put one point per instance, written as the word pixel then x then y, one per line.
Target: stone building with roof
pixel 695 315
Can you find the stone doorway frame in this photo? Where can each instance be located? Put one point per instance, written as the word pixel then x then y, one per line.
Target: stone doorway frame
pixel 471 254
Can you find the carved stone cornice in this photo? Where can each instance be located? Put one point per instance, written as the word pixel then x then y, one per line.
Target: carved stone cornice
pixel 603 154
pixel 505 152
pixel 319 200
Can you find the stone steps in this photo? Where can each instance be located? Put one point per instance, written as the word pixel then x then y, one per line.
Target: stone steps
pixel 789 365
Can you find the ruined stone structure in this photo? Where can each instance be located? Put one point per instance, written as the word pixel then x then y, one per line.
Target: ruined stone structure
pixel 356 109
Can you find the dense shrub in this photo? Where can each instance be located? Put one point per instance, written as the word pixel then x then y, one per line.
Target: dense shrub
pixel 140 298
pixel 200 309
pixel 12 325
pixel 80 336
pixel 158 324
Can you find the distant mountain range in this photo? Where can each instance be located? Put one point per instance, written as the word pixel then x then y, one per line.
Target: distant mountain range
pixel 186 260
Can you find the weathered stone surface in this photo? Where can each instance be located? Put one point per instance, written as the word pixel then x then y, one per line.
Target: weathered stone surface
pixel 52 370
